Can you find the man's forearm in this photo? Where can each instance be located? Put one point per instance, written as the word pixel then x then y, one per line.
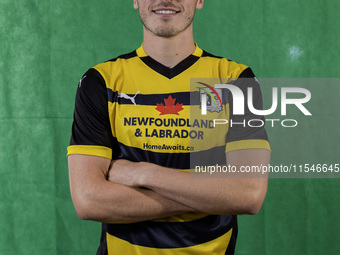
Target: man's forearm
pixel 96 198
pixel 115 203
pixel 208 195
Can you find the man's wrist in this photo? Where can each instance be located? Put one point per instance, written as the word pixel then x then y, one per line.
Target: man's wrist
pixel 146 172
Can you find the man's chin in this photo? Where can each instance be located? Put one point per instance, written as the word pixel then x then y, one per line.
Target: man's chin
pixel 164 32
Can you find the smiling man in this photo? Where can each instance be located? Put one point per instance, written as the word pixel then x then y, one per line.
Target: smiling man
pixel 131 145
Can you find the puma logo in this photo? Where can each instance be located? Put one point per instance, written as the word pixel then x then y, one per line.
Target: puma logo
pixel 123 95
pixel 81 80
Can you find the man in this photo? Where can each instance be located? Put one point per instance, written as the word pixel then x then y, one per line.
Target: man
pixel 129 144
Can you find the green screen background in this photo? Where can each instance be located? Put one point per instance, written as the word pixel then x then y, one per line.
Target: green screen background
pixel 46 46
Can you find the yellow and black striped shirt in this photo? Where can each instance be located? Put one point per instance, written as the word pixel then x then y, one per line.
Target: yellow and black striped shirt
pixel 134 108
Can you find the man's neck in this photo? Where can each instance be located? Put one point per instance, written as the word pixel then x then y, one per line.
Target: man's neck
pixel 169 51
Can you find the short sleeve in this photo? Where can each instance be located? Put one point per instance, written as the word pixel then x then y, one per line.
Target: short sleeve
pixel 247 131
pixel 91 129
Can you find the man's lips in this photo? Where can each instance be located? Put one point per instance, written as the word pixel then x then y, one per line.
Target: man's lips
pixel 165 11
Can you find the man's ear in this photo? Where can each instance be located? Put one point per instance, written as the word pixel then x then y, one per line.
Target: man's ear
pixel 199 4
pixel 135 4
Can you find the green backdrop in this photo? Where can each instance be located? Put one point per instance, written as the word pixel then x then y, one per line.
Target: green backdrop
pixel 46 46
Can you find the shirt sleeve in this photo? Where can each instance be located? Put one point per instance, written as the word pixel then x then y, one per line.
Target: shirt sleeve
pixel 247 131
pixel 91 129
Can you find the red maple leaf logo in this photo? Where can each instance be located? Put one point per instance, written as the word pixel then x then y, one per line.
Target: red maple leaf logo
pixel 169 107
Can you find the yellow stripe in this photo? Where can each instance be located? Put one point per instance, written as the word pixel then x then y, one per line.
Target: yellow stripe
pixel 217 246
pixel 185 217
pixel 247 144
pixel 99 151
pixel 198 51
pixel 231 69
pixel 141 53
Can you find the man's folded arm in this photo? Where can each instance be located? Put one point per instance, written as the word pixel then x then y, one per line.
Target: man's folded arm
pixel 211 194
pixel 96 198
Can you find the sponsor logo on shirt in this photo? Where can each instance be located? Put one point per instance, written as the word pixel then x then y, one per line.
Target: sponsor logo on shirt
pixel 123 95
pixel 169 106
